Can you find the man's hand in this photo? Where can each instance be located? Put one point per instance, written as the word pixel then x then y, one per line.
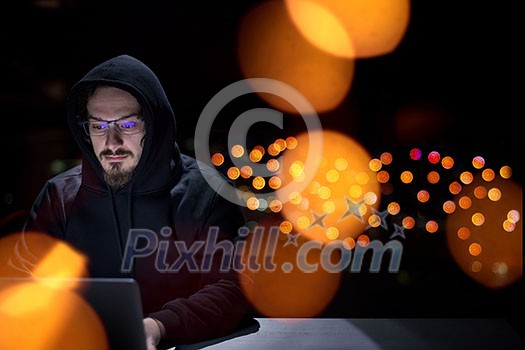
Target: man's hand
pixel 154 331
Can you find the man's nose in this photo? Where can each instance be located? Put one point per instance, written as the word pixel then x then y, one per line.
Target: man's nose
pixel 113 138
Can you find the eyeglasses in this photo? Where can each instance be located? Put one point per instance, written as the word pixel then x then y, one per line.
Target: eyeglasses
pixel 127 125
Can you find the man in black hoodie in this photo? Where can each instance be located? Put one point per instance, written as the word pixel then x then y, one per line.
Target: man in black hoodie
pixel 134 182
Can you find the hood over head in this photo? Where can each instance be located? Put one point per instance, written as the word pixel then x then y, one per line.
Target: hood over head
pixel 160 152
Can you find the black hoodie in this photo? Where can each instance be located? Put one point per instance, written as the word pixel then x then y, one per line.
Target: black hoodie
pixel 167 190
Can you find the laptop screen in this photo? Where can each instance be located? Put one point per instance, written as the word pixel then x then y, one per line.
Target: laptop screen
pixel 80 313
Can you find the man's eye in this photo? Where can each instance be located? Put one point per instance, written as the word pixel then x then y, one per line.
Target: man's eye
pixel 99 126
pixel 128 125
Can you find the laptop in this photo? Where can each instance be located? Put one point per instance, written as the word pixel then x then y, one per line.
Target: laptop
pixel 116 302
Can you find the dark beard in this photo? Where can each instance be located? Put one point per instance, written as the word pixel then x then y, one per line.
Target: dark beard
pixel 116 177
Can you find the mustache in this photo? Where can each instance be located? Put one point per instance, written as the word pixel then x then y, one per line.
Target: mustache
pixel 118 152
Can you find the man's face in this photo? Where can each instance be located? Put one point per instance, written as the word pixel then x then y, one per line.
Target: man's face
pixel 118 152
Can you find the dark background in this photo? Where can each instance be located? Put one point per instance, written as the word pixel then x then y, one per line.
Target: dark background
pixel 458 56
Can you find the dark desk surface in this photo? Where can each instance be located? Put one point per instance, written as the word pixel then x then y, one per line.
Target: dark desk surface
pixel 374 334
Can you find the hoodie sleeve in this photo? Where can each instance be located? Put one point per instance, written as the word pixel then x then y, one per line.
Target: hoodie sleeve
pixel 45 214
pixel 219 305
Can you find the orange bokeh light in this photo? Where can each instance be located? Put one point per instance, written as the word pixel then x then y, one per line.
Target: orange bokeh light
pixel 352 28
pixel 39 315
pixel 270 46
pixel 286 289
pixel 408 222
pixel 34 254
pixel 217 159
pixel 478 236
pixel 41 309
pixel 233 173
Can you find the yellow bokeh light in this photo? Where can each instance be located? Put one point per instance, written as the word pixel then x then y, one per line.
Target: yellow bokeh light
pixel 324 192
pixel 300 178
pixel 393 208
pixel 352 28
pixel 345 204
pixel 53 263
pixel 375 164
pixel 374 220
pixel 328 207
pixel 303 222
pixel 255 155
pixel 505 172
pixel 466 177
pixel 478 219
pixel 258 182
pixel 449 207
pixel 447 162
pixel 313 187
pixel 406 177
pixel 296 168
pixel 341 164
pixel 509 226
pixel 233 173
pixel 252 203
pixel 362 177
pixel 494 194
pixel 295 198
pixel 355 191
pixel 478 162
pixel 488 175
pixel 371 198
pixel 332 175
pixel 286 227
pixel 332 233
